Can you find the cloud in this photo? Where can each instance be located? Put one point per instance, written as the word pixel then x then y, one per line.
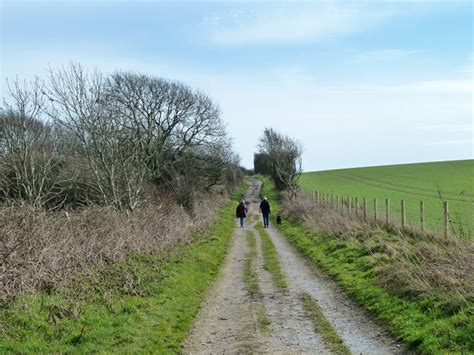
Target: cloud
pixel 386 54
pixel 447 127
pixel 458 86
pixel 468 142
pixel 309 23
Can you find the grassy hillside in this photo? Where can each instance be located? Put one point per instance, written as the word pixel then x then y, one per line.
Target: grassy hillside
pixel 451 181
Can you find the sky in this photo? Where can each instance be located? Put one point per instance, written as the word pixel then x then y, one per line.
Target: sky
pixel 358 83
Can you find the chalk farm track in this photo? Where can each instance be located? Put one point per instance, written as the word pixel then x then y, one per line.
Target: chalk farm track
pixel 229 321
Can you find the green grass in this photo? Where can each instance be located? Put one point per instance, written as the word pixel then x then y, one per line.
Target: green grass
pixel 270 260
pixel 263 321
pixel 422 323
pixel 322 326
pixel 250 277
pixel 451 181
pixel 91 317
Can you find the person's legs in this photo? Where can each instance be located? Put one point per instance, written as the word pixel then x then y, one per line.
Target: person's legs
pixel 265 220
pixel 242 221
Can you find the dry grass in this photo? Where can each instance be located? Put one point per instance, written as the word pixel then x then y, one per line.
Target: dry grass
pixel 44 250
pixel 408 262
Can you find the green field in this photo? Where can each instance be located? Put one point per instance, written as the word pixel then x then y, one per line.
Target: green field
pixel 433 183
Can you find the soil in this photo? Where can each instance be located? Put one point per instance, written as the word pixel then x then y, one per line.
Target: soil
pixel 228 322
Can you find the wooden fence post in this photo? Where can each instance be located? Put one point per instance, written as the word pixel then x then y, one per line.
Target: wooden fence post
pixel 365 209
pixel 317 197
pixel 375 210
pixel 422 216
pixel 356 207
pixel 446 219
pixel 387 211
pixel 342 204
pixel 349 205
pixel 402 208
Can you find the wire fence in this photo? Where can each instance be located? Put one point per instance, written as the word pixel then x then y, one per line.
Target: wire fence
pixel 400 213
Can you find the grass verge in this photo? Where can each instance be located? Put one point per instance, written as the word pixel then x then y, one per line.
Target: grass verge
pixel 152 317
pixel 270 260
pixel 427 324
pixel 322 326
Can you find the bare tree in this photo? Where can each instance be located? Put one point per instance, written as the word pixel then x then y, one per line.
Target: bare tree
pixel 284 155
pixel 28 159
pixel 176 131
pixel 79 104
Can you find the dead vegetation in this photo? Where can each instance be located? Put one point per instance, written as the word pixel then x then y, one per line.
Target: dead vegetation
pixel 407 262
pixel 44 250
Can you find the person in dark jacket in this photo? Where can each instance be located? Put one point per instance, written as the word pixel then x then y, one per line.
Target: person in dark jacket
pixel 265 210
pixel 241 212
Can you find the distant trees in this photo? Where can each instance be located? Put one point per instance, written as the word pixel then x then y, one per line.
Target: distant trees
pixel 85 137
pixel 279 157
pixel 262 164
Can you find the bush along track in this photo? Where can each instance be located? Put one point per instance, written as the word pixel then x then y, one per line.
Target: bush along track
pixel 425 324
pixel 146 303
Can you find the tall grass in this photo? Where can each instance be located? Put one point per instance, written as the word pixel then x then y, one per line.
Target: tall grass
pixel 411 264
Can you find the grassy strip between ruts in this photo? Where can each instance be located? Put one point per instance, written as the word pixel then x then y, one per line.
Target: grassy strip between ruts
pixel 157 320
pixel 270 260
pixel 322 326
pixel 419 323
pixel 249 275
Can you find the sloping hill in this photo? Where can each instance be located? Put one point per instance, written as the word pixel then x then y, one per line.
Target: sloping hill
pixel 433 183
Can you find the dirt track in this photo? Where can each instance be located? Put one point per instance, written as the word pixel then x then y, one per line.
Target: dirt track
pixel 228 320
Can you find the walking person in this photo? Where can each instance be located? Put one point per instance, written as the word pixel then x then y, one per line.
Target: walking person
pixel 241 212
pixel 265 210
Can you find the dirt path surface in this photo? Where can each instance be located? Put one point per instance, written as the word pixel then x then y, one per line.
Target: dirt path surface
pixel 229 320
